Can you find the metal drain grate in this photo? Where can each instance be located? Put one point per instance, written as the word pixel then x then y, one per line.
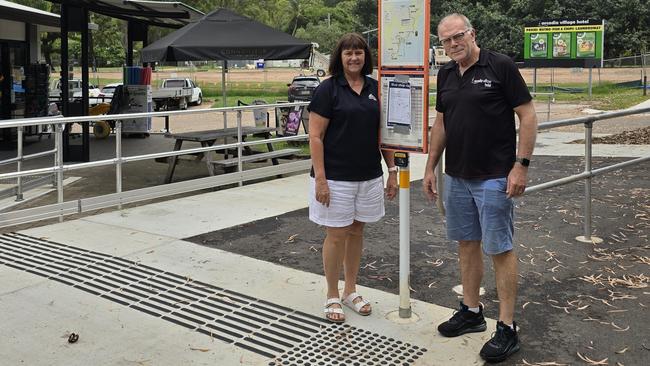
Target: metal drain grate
pixel 345 345
pixel 253 324
pixel 287 336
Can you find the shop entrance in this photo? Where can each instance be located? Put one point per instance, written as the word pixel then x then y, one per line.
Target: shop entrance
pixel 13 61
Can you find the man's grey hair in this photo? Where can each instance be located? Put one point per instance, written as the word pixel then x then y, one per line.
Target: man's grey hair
pixel 468 24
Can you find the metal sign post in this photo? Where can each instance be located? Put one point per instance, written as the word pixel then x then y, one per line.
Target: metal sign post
pixel 403 76
pixel 402 161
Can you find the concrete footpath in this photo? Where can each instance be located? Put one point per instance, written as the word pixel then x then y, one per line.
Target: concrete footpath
pixel 136 293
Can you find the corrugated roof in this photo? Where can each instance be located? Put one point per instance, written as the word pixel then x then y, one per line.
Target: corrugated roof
pixel 26 14
pixel 171 14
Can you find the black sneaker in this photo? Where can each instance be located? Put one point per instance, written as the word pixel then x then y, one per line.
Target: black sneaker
pixel 504 342
pixel 463 321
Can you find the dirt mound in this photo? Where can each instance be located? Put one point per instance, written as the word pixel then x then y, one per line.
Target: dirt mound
pixel 639 136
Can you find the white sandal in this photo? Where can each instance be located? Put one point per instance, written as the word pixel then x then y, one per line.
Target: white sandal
pixel 349 302
pixel 329 310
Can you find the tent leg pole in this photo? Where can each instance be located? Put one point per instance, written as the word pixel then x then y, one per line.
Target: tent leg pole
pixel 224 64
pixel 223 81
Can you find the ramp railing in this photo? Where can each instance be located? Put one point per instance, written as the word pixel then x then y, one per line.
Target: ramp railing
pixel 120 197
pixel 588 172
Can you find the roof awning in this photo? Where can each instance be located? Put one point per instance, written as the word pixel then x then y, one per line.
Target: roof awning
pixel 26 14
pixel 170 14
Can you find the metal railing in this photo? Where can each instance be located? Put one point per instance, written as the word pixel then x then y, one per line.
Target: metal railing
pixel 119 198
pixel 588 172
pixel 19 159
pixel 550 98
pixel 586 175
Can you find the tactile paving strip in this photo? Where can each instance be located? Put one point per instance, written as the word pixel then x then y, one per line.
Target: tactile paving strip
pixel 342 344
pixel 287 336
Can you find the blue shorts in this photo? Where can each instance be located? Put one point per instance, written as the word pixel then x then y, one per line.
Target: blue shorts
pixel 479 210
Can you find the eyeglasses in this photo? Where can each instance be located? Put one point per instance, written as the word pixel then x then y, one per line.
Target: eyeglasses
pixel 456 37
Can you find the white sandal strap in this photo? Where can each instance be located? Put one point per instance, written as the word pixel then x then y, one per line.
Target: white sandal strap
pixel 331 301
pixel 334 311
pixel 349 301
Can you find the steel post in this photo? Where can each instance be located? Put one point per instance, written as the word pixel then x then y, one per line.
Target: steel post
pixel 19 155
pixel 587 238
pixel 404 242
pixel 118 156
pixel 240 167
pixel 58 141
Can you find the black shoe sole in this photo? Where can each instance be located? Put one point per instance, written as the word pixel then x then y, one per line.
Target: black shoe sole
pixel 501 358
pixel 475 329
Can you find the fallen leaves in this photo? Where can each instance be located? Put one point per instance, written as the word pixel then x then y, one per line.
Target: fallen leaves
pixel 592 362
pixel 528 303
pixel 291 238
pixel 620 352
pixel 629 281
pixel 199 349
pixel 436 263
pixel 544 363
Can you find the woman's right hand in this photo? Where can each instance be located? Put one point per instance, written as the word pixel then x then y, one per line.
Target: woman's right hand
pixel 322 191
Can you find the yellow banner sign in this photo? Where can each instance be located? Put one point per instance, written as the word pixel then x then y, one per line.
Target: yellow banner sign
pixel 572 28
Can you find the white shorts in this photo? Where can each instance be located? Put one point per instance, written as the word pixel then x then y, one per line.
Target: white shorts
pixel 349 201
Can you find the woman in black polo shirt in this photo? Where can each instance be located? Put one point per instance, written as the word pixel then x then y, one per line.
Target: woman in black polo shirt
pixel 347 188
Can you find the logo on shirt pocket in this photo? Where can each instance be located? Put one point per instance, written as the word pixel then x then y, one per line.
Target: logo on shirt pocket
pixel 487 83
pixel 372 97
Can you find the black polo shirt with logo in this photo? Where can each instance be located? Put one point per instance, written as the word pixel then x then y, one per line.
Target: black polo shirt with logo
pixel 351 142
pixel 479 117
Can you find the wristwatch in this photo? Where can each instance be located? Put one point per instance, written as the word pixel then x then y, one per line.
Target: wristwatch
pixel 523 161
pixel 392 169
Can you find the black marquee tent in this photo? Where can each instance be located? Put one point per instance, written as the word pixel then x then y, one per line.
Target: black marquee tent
pixel 225 35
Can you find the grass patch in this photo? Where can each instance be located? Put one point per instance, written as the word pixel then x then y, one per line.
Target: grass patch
pixel 231 99
pixel 256 89
pixel 607 96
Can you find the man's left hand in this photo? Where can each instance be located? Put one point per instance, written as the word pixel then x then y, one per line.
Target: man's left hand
pixel 517 181
pixel 391 186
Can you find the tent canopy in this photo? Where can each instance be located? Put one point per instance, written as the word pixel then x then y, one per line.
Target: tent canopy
pixel 225 35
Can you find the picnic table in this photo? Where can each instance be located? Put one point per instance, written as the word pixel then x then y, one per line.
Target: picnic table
pixel 208 138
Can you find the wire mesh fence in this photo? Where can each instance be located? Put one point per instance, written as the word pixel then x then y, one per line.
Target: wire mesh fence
pixel 641 61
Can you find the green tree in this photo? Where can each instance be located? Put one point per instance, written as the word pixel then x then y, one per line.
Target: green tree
pixel 109 41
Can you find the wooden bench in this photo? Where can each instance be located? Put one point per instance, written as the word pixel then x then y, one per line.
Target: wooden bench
pixel 208 138
pixel 259 157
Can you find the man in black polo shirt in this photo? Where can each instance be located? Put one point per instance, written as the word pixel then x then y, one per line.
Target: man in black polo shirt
pixel 479 92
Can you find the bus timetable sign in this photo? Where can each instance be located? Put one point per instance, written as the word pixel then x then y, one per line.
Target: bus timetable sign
pixel 564 43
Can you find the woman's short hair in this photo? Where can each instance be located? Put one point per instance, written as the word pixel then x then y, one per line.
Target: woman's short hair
pixel 350 41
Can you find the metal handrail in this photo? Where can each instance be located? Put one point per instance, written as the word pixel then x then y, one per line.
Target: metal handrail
pixel 59 168
pixel 550 99
pixel 588 172
pixel 24 122
pixel 28 157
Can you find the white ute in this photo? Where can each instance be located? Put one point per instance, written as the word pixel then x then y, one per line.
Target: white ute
pixel 177 93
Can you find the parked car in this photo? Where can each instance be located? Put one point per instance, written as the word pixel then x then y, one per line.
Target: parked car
pixel 184 83
pixel 302 87
pixel 108 90
pixel 75 86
